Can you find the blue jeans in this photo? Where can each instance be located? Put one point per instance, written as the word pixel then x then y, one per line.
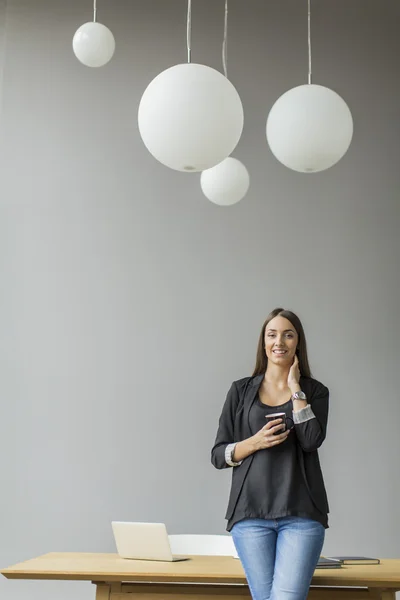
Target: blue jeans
pixel 279 555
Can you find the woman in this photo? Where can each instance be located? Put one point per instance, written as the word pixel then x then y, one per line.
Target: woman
pixel 278 509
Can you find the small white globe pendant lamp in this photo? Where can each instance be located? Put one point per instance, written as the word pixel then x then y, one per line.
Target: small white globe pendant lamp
pixel 93 43
pixel 310 127
pixel 190 116
pixel 226 183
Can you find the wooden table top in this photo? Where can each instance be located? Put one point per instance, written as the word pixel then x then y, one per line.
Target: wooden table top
pixel 199 569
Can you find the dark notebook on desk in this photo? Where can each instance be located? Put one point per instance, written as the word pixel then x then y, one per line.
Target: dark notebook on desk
pixel 328 563
pixel 357 560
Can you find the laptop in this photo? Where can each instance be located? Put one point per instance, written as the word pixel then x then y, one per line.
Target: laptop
pixel 143 541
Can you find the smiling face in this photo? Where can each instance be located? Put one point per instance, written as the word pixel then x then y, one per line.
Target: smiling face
pixel 281 341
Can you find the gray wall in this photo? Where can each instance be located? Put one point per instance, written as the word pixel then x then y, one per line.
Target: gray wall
pixel 129 302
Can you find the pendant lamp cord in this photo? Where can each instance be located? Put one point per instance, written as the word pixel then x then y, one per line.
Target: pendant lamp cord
pixel 309 43
pixel 189 32
pixel 225 42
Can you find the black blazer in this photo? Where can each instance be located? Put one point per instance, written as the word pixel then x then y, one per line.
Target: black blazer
pixel 234 427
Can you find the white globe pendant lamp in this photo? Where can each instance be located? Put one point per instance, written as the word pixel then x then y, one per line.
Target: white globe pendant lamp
pixel 93 43
pixel 226 183
pixel 310 127
pixel 190 116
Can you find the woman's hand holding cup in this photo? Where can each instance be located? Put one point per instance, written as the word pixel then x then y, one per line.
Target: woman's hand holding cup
pixel 269 435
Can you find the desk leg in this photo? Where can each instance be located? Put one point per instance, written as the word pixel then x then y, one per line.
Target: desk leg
pixel 102 591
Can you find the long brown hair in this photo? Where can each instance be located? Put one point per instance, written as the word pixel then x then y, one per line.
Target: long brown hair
pixel 262 359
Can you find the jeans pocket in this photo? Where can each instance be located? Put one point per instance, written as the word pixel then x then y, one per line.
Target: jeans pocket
pixel 307 526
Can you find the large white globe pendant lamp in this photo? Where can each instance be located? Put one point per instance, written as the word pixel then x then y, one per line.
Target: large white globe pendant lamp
pixel 93 43
pixel 226 183
pixel 310 127
pixel 190 116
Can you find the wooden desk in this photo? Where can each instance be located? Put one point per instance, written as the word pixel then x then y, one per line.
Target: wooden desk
pixel 200 578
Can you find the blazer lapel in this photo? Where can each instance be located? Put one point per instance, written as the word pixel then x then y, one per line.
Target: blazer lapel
pixel 251 394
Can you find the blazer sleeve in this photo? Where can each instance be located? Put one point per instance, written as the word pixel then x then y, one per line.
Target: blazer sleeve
pixel 225 429
pixel 312 432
